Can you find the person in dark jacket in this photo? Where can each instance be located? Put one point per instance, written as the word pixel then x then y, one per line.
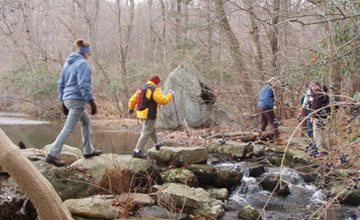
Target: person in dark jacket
pixel 266 104
pixel 321 109
pixel 75 92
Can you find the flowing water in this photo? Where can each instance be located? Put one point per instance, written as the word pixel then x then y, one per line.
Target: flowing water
pixel 297 205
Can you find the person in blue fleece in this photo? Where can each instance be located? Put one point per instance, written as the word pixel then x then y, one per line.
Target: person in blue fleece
pixel 74 93
pixel 266 105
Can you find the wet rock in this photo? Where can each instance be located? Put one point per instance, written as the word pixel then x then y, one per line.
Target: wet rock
pixel 256 170
pixel 203 172
pixel 193 200
pixel 14 205
pixel 95 207
pixel 348 197
pixel 116 172
pixel 309 177
pixel 275 160
pixel 227 177
pixel 231 148
pixel 272 183
pixel 180 175
pixel 179 156
pixel 248 213
pixel 68 154
pixel 220 194
pixel 162 213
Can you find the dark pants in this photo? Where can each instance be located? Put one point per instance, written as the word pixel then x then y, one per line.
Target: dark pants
pixel 309 125
pixel 268 116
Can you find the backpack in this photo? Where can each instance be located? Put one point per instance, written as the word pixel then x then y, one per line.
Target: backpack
pixel 142 102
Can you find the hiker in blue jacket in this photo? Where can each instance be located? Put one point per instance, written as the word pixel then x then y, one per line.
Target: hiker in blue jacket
pixel 266 105
pixel 75 92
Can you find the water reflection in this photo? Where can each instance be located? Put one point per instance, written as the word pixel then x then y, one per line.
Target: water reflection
pixel 38 135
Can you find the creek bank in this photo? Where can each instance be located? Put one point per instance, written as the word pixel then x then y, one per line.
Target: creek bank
pixel 213 183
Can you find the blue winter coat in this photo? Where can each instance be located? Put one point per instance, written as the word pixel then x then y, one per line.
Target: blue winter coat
pixel 75 79
pixel 266 97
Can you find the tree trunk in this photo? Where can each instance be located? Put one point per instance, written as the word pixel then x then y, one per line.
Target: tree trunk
pixel 178 24
pixel 123 44
pixel 234 45
pixel 274 37
pixel 255 39
pixel 40 192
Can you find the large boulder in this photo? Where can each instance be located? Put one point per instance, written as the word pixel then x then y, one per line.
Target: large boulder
pixel 116 172
pixel 179 175
pixel 67 182
pixel 68 154
pixel 179 155
pixel 193 200
pixel 96 207
pixel 195 102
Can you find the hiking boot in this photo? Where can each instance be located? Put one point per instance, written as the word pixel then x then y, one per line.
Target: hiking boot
pixel 136 154
pixel 95 153
pixel 158 146
pixel 55 161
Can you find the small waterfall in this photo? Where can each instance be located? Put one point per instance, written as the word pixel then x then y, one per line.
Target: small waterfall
pixel 249 185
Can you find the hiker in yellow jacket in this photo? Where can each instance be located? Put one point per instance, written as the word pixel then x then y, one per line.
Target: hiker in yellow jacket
pixel 149 97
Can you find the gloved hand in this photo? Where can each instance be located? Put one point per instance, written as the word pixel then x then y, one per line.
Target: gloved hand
pixel 64 109
pixel 172 92
pixel 93 107
pixel 131 111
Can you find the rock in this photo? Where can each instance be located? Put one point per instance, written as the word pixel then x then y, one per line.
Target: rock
pixel 258 150
pixel 203 172
pixel 178 155
pixel 195 101
pixel 348 197
pixel 95 207
pixel 248 213
pixel 270 183
pixel 138 198
pixel 292 157
pixel 116 172
pixel 11 202
pixel 179 175
pixel 162 213
pixel 220 194
pixel 67 182
pixel 256 170
pixel 68 154
pixel 227 177
pixel 33 154
pixel 194 200
pixel 188 85
pixel 231 148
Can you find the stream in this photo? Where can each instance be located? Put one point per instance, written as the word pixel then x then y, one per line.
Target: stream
pixel 303 199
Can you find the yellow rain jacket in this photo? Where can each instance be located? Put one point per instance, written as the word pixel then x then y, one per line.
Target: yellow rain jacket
pixel 158 97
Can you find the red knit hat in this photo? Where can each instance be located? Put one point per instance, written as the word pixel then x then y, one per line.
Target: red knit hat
pixel 155 79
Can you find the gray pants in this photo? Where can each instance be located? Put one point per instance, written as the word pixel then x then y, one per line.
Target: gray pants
pixel 76 112
pixel 319 133
pixel 147 131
